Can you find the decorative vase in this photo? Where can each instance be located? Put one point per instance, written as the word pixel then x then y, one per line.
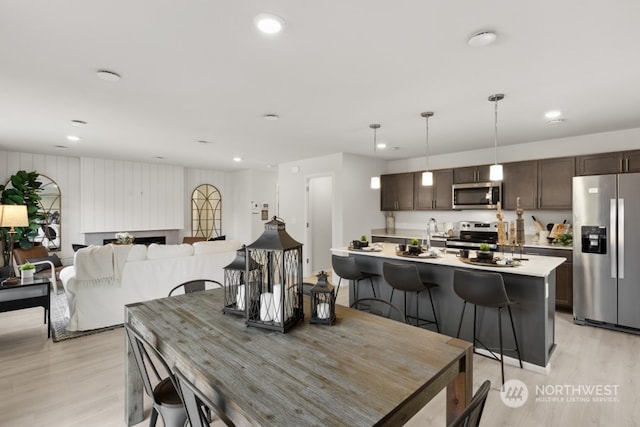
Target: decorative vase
pixel 414 249
pixel 484 256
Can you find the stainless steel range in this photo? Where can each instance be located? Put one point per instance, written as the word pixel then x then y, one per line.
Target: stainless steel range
pixel 473 233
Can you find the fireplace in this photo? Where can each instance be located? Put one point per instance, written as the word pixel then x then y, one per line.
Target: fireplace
pixel 161 240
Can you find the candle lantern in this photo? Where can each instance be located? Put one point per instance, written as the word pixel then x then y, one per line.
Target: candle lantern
pixel 235 284
pixel 274 296
pixel 323 301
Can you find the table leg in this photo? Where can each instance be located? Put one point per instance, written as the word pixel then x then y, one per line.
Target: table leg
pixel 460 390
pixel 133 391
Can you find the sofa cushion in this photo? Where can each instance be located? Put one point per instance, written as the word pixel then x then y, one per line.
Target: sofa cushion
pixel 42 267
pixel 155 251
pixel 137 253
pixel 216 246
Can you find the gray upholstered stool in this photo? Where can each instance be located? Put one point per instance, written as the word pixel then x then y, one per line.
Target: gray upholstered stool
pixel 347 268
pixel 405 277
pixel 484 289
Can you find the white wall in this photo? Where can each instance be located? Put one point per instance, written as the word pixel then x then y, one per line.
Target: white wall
pixel 251 188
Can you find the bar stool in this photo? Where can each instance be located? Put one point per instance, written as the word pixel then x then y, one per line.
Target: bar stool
pixel 347 268
pixel 405 277
pixel 486 290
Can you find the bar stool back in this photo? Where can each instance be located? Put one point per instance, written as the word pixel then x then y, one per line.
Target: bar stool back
pixel 347 268
pixel 485 289
pixel 406 278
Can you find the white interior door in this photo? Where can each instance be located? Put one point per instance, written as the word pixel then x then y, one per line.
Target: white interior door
pixel 319 225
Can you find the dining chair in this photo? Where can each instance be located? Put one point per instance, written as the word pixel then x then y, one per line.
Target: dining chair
pixel 197 285
pixel 380 307
pixel 159 384
pixel 199 406
pixel 470 416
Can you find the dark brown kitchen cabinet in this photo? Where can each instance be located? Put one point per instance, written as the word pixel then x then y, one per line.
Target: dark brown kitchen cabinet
pixel 540 184
pixel 396 192
pixel 471 174
pixel 555 183
pixel 437 196
pixel 605 163
pixel 520 179
pixel 564 275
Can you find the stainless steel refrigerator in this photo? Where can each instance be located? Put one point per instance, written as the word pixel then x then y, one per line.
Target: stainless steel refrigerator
pixel 606 250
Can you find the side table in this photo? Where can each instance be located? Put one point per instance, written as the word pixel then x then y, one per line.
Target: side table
pixel 32 293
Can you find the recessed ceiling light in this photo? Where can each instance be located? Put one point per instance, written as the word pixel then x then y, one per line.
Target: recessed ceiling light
pixel 78 122
pixel 482 38
pixel 109 76
pixel 268 23
pixel 553 114
pixel 237 159
pixel 555 121
pixel 271 117
pixel 381 145
pixel 73 138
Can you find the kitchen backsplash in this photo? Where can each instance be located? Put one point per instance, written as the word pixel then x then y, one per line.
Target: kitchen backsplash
pixel 418 219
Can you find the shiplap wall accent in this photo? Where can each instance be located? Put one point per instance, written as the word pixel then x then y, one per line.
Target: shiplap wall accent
pixel 120 195
pixel 65 172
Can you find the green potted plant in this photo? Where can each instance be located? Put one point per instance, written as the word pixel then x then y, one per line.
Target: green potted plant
pixel 484 253
pixel 362 243
pixel 414 247
pixel 27 269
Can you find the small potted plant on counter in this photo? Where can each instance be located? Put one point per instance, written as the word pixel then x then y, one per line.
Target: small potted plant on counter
pixel 362 243
pixel 484 254
pixel 414 248
pixel 27 269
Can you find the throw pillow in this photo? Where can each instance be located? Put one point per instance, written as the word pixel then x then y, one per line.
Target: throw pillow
pixel 77 246
pixel 43 267
pixel 224 237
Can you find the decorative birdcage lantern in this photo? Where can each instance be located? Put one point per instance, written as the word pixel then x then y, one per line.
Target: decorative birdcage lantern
pixel 323 301
pixel 235 284
pixel 274 297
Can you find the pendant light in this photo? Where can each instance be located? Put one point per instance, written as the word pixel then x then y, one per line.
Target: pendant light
pixel 427 175
pixel 375 180
pixel 495 171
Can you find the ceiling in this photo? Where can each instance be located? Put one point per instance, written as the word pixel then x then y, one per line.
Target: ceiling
pixel 199 71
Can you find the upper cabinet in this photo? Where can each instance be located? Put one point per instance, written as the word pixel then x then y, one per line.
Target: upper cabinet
pixel 471 174
pixel 396 192
pixel 605 163
pixel 540 184
pixel 437 196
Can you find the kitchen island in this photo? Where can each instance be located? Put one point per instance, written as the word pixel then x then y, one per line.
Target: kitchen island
pixel 529 283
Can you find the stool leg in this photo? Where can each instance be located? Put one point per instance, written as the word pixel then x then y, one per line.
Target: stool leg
pixel 475 311
pixel 433 307
pixel 372 287
pixel 514 336
pixel 338 290
pixel 501 354
pixel 464 305
pixel 405 307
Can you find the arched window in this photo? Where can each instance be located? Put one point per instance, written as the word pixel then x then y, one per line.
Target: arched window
pixel 206 212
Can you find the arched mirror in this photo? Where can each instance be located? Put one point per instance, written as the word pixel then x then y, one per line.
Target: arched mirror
pixel 50 207
pixel 206 212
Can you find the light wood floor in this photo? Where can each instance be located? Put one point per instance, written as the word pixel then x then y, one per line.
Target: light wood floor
pixel 80 382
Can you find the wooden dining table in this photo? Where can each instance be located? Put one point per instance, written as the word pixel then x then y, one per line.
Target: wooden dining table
pixel 363 370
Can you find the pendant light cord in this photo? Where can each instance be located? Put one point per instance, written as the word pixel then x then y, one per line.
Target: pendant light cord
pixel 495 141
pixel 427 148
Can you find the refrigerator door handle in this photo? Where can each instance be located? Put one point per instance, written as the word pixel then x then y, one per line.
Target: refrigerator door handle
pixel 612 237
pixel 620 238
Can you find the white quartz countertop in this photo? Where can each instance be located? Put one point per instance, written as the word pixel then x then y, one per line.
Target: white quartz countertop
pixel 536 266
pixel 406 233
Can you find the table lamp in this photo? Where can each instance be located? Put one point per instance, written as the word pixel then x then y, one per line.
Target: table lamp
pixel 13 216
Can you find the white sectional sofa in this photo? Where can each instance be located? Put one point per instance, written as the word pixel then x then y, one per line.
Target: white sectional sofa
pixel 104 279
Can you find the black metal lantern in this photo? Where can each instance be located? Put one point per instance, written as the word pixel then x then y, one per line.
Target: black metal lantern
pixel 235 283
pixel 323 301
pixel 274 297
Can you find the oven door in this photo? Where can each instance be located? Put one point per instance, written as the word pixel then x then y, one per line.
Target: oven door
pixel 477 195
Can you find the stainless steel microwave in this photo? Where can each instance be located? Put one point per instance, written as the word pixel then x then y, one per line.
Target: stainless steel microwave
pixel 477 195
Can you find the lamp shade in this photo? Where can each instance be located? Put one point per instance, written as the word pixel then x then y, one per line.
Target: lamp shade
pixel 495 172
pixel 427 178
pixel 13 216
pixel 375 182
